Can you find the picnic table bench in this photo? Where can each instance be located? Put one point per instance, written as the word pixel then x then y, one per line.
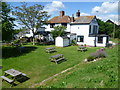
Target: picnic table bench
pixel 57 58
pixel 15 76
pixel 50 49
pixel 82 48
pixel 7 79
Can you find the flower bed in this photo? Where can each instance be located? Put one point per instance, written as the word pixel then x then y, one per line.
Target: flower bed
pixel 97 55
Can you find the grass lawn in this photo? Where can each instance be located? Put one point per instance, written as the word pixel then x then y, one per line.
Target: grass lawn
pixel 99 74
pixel 36 64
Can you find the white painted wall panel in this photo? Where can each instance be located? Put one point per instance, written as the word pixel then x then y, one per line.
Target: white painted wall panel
pixel 59 41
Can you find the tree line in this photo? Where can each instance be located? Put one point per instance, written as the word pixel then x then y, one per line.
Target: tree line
pixel 109 28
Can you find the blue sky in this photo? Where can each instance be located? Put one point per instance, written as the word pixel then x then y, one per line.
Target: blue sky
pixel 105 10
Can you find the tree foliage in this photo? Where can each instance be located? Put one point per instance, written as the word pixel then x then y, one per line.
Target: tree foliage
pixel 58 31
pixel 33 17
pixel 108 28
pixel 7 22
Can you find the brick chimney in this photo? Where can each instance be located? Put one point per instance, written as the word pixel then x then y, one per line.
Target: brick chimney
pixel 72 18
pixel 78 13
pixel 62 13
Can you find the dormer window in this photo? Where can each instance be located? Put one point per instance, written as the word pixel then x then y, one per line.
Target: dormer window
pixel 52 25
pixel 94 29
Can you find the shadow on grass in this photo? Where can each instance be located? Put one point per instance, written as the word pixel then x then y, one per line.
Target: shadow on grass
pixel 61 61
pixel 21 80
pixel 8 52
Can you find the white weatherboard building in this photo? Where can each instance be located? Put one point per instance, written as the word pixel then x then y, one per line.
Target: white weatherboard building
pixel 62 41
pixel 84 28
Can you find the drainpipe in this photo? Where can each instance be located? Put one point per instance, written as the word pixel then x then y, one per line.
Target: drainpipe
pixel 95 39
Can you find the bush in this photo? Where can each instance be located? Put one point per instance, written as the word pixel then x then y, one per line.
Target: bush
pixel 73 42
pixel 102 54
pixel 98 54
pixel 90 58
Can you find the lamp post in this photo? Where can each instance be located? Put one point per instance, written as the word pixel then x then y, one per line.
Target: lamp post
pixel 95 38
pixel 114 28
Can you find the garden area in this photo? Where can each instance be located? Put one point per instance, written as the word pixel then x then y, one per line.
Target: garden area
pixel 35 63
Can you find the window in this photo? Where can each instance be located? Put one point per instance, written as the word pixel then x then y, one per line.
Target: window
pixel 80 38
pixel 100 39
pixel 52 25
pixel 64 24
pixel 94 29
pixel 90 29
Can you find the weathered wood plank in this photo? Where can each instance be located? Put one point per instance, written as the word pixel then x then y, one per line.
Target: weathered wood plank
pixel 7 79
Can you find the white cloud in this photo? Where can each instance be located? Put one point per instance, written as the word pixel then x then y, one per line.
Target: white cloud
pixel 84 14
pixel 112 17
pixel 53 7
pixel 106 7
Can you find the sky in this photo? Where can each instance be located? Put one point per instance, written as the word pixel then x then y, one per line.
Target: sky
pixel 103 10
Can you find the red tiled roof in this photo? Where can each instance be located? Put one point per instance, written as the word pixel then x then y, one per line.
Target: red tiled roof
pixel 67 19
pixel 60 19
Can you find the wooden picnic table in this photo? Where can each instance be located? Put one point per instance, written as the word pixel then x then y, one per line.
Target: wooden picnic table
pixel 14 73
pixel 50 49
pixel 57 58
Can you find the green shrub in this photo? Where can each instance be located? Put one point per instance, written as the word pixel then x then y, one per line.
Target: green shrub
pixel 73 42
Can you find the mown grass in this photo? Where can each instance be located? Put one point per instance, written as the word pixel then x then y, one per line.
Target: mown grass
pixel 99 74
pixel 36 63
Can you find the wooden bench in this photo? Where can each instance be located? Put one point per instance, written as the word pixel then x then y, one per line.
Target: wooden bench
pixel 50 49
pixel 7 79
pixel 81 48
pixel 57 58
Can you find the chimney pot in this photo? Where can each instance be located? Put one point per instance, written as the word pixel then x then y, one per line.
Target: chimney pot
pixel 72 18
pixel 62 13
pixel 72 15
pixel 78 13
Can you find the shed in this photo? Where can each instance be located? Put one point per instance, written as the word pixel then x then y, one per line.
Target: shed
pixel 62 41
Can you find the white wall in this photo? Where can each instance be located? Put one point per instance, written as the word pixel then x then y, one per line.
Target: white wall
pixel 90 41
pixel 68 28
pixel 49 29
pixel 59 41
pixel 83 30
pixel 80 29
pixel 104 42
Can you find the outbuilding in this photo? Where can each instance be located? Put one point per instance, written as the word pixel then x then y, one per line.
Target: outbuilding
pixel 62 41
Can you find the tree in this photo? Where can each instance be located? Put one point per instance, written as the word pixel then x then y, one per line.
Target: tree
pixel 105 27
pixel 7 22
pixel 33 17
pixel 108 28
pixel 58 31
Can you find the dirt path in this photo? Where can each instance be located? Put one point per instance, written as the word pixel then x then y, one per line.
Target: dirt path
pixel 39 84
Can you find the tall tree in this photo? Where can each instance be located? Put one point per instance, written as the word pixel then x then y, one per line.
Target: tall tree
pixel 108 28
pixel 33 17
pixel 58 31
pixel 7 22
pixel 105 27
